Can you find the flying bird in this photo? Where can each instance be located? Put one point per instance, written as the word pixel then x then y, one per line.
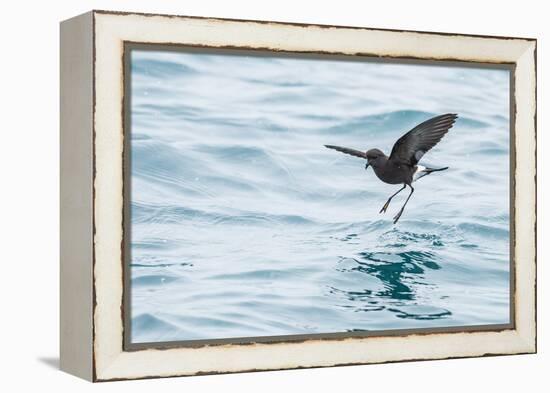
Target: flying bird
pixel 401 167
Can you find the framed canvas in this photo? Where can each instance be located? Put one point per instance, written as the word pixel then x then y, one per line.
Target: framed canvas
pixel 216 215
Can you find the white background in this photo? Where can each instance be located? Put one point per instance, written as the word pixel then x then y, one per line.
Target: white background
pixel 29 194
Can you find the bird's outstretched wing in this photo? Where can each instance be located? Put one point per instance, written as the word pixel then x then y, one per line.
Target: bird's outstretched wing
pixel 349 151
pixel 410 148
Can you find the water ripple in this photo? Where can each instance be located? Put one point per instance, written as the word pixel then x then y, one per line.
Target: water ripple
pixel 244 224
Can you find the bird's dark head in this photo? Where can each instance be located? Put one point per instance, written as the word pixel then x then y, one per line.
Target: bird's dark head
pixel 374 157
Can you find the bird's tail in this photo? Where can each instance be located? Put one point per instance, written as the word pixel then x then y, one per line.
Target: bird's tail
pixel 423 171
pixel 430 170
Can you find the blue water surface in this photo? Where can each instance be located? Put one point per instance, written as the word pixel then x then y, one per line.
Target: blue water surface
pixel 243 224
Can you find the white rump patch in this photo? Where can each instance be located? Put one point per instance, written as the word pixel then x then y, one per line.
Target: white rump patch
pixel 419 172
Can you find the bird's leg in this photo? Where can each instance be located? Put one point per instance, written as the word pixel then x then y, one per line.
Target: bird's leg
pixel 385 207
pixel 398 215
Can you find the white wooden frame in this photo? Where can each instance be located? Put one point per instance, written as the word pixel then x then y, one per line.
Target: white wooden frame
pixel 92 195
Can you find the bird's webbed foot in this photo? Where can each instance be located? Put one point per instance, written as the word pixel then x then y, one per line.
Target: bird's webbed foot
pixel 397 216
pixel 385 207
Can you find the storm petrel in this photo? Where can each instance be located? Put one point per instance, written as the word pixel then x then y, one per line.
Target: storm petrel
pixel 401 167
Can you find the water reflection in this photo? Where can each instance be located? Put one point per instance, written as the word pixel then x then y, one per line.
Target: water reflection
pixel 401 274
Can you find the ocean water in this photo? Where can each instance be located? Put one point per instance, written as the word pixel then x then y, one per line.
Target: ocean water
pixel 243 224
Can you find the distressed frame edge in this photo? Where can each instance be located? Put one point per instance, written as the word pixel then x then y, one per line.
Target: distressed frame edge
pixel 76 196
pixel 305 24
pixel 528 340
pixel 526 215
